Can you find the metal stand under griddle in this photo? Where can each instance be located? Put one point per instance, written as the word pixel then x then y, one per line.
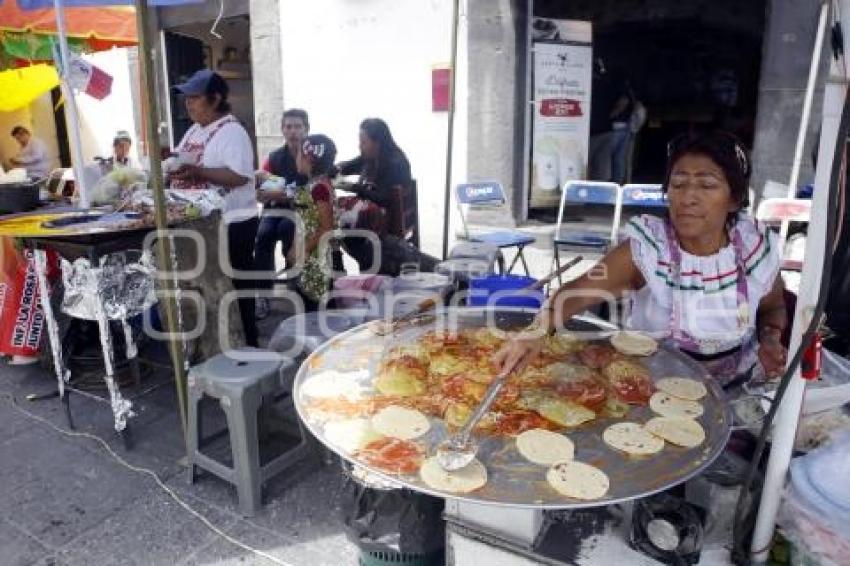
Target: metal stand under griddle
pixel 92 247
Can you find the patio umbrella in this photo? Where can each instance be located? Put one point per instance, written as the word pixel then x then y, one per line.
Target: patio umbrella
pixel 27 36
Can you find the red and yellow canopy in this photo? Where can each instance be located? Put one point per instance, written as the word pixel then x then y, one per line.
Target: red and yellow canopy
pixel 25 35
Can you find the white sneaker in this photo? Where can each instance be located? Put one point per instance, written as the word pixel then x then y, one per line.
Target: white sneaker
pixel 23 360
pixel 262 309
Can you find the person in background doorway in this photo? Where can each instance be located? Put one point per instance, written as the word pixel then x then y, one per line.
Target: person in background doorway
pixel 277 226
pixel 382 167
pixel 33 154
pixel 636 122
pixel 610 110
pixel 221 157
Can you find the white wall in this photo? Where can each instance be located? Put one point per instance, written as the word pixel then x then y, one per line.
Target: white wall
pixel 346 60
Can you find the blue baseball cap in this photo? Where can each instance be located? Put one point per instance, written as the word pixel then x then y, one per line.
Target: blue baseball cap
pixel 197 83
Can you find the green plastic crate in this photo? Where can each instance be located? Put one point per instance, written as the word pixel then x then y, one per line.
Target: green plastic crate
pixel 382 558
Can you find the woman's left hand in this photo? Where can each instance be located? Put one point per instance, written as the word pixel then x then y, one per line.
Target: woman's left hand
pixel 772 354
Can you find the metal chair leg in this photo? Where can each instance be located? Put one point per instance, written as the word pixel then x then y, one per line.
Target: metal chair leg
pixel 513 263
pixel 557 256
pixel 521 254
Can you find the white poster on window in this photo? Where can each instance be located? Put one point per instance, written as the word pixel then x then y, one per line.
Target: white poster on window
pixel 561 125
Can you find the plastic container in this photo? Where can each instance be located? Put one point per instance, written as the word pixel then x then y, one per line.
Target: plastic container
pixel 504 291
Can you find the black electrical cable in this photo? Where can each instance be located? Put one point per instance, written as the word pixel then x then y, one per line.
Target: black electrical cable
pixel 744 516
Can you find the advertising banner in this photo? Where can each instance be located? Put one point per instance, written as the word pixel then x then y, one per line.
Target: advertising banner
pixel 21 316
pixel 563 64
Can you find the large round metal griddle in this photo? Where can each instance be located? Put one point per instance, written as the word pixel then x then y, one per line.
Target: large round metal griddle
pixel 513 481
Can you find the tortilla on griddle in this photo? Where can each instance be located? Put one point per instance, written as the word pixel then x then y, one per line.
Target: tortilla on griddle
pixel 544 447
pixel 578 480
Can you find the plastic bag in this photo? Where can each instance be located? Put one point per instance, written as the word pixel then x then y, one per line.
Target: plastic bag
pixel 815 512
pixel 396 520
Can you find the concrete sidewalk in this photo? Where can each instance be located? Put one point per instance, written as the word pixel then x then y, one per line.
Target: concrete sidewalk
pixel 66 501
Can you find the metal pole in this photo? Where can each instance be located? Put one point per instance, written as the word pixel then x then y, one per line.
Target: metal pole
pixel 147 66
pixel 804 118
pixel 788 415
pixel 73 119
pixel 451 133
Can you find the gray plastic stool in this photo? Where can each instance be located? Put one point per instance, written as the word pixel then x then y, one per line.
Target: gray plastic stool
pixel 241 385
pixel 301 334
pixel 480 250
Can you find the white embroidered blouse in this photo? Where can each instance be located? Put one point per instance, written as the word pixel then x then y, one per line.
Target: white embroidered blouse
pixel 707 286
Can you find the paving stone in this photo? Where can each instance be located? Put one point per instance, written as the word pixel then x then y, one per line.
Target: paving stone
pixel 18 548
pixel 327 550
pixel 153 529
pixel 57 490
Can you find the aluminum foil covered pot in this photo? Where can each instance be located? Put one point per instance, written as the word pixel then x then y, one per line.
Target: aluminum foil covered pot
pixel 123 284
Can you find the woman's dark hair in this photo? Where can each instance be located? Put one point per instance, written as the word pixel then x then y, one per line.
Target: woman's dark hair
pixel 725 150
pixel 378 131
pixel 218 86
pixel 19 130
pixel 322 150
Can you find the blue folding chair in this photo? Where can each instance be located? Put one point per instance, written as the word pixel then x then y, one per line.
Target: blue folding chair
pixel 490 195
pixel 581 193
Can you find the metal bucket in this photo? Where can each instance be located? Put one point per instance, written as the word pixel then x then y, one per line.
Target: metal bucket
pixel 19 197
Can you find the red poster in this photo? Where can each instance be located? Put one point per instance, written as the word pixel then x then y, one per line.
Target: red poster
pixel 440 79
pixel 561 107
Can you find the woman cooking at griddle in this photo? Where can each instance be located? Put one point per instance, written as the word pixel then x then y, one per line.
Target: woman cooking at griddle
pixel 706 278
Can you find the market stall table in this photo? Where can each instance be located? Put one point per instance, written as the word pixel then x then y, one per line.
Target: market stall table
pixel 91 236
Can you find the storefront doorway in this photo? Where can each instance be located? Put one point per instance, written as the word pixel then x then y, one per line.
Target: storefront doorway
pixel 191 47
pixel 693 65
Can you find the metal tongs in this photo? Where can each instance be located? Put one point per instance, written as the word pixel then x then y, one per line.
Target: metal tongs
pixel 384 328
pixel 459 450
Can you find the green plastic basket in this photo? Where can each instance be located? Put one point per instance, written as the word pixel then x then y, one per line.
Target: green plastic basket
pixel 382 558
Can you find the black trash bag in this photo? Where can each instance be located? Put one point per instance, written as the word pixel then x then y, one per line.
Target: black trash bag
pixel 396 520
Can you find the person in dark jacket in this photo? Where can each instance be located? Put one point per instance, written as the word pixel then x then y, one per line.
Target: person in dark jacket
pixel 276 226
pixel 382 166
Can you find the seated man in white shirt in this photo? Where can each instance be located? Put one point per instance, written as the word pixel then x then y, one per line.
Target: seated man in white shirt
pixel 32 155
pixel 121 150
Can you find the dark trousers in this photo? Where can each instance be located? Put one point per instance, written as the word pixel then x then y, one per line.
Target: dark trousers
pixel 362 250
pixel 271 230
pixel 240 243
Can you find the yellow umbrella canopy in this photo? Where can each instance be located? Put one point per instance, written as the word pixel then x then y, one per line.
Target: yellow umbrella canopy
pixel 19 87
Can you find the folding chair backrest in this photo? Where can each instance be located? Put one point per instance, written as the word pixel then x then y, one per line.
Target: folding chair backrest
pixel 489 194
pixel 648 196
pixel 780 209
pixel 592 192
